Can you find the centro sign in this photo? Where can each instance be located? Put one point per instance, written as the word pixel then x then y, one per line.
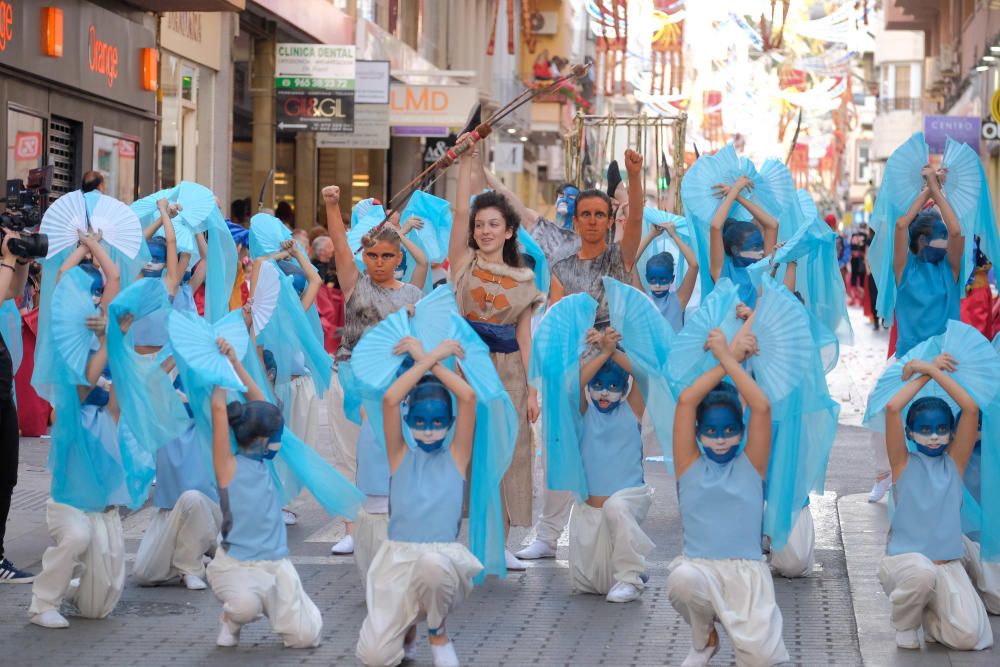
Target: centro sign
pixel 102 57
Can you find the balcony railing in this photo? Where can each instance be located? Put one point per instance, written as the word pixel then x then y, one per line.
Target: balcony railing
pixel 887 104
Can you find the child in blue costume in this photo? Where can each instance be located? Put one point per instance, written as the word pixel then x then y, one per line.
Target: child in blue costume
pixel 186 519
pixel 922 570
pixel 660 274
pixel 927 262
pixel 251 573
pixel 369 297
pixel 82 514
pixel 736 244
pixel 985 575
pixel 721 575
pixel 421 572
pixel 607 548
pixel 149 333
pixel 298 396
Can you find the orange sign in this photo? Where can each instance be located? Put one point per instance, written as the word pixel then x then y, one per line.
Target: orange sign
pixel 52 31
pixel 6 24
pixel 150 78
pixel 102 57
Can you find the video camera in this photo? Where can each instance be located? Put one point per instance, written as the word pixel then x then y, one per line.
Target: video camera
pixel 25 206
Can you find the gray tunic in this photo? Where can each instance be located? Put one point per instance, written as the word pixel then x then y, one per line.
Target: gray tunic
pixel 556 242
pixel 584 275
pixel 370 304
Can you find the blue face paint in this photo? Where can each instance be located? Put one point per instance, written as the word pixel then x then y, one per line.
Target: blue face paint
pixel 720 432
pixel 607 388
pixel 931 431
pixel 429 420
pixel 264 448
pixel 97 282
pixel 751 251
pixel 936 247
pixel 566 205
pixel 660 278
pixel 157 261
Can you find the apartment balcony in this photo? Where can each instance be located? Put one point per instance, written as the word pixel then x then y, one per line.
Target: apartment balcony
pixel 911 14
pixel 889 104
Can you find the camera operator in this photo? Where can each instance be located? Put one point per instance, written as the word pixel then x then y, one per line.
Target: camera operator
pixel 92 180
pixel 13 276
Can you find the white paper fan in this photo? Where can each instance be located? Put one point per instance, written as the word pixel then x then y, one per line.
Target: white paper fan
pixel 265 296
pixel 63 220
pixel 963 180
pixel 193 340
pixel 781 325
pixel 118 224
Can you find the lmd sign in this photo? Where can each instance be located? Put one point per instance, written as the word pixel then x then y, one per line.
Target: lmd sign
pixel 440 106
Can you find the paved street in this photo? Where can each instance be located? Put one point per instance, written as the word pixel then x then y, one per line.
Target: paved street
pixel 836 616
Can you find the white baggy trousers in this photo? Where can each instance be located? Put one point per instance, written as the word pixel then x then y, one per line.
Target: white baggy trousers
pixel 89 545
pixel 607 545
pixel 250 589
pixel 985 576
pixel 739 594
pixel 409 582
pixel 798 556
pixel 938 596
pixel 176 540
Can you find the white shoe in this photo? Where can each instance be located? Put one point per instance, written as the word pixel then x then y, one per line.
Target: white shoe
pixel 227 635
pixel 194 583
pixel 700 658
pixel 50 619
pixel 345 547
pixel 907 639
pixel 879 490
pixel 444 655
pixel 623 592
pixel 290 517
pixel 512 562
pixel 537 549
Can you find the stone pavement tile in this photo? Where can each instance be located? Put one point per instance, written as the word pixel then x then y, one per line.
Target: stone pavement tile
pixel 864 527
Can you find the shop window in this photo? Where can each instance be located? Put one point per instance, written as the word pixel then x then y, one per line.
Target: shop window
pixel 117 159
pixel 25 144
pixel 284 171
pixel 178 129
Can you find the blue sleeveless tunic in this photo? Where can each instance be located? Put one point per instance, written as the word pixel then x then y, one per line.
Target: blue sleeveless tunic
pixel 101 426
pixel 372 474
pixel 611 448
pixel 425 497
pixel 722 509
pixel 741 278
pixel 927 520
pixel 928 296
pixel 182 465
pixel 252 526
pixel 670 307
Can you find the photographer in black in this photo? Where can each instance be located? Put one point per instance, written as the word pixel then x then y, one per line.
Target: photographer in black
pixel 13 276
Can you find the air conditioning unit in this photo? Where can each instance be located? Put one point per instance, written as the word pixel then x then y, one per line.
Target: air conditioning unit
pixel 544 23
